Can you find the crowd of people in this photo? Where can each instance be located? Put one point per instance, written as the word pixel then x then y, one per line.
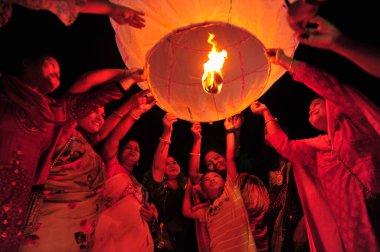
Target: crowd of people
pixel 67 168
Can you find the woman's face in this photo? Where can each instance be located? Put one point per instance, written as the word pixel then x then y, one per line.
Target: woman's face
pixel 46 75
pixel 214 161
pixel 317 114
pixel 130 155
pixel 93 122
pixel 172 168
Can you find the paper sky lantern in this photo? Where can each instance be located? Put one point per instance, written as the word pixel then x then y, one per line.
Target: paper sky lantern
pixel 176 44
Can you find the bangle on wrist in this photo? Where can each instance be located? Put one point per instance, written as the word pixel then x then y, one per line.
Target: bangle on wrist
pixel 232 130
pixel 164 141
pixel 273 119
pixel 194 154
pixel 117 114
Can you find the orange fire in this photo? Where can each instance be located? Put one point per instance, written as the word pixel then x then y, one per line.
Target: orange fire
pixel 212 79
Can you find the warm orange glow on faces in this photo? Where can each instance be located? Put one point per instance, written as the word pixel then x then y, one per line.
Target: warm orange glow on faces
pixel 212 79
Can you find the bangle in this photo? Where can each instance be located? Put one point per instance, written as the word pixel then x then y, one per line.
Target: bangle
pixel 165 141
pixel 118 114
pixel 194 154
pixel 232 130
pixel 274 119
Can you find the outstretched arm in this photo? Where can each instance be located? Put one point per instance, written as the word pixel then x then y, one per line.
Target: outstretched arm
pixel 67 11
pixel 271 124
pixel 318 80
pixel 237 123
pixel 98 77
pixel 117 115
pixel 195 156
pixel 325 35
pixel 300 12
pixel 161 153
pixel 121 14
pixel 187 203
pixel 111 145
pixel 230 146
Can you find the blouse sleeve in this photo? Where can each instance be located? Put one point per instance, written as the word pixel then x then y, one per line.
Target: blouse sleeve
pixel 66 10
pixel 113 166
pixel 293 150
pixel 80 105
pixel 324 84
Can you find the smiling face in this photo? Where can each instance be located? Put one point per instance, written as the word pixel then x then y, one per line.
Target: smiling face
pixel 172 168
pixel 130 154
pixel 212 184
pixel 317 114
pixel 93 122
pixel 215 161
pixel 43 74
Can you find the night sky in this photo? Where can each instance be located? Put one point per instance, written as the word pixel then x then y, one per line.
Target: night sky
pixel 89 44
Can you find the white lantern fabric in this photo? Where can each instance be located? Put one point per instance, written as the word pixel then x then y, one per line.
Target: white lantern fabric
pixel 174 46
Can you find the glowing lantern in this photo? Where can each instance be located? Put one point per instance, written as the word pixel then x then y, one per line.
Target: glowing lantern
pixel 173 44
pixel 212 78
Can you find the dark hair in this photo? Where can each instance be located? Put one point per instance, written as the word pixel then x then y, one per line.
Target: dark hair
pixel 207 172
pixel 207 150
pixel 122 147
pixel 315 96
pixel 34 60
pixel 181 178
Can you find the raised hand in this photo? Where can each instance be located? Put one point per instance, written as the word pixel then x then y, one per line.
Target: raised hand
pixel 258 108
pixel 146 102
pixel 299 13
pixel 147 212
pixel 167 122
pixel 228 123
pixel 149 102
pixel 278 57
pixel 139 98
pixel 274 55
pixel 196 130
pixel 131 76
pixel 124 15
pixel 237 120
pixel 321 34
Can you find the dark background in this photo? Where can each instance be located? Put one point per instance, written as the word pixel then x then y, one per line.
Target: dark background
pixel 89 44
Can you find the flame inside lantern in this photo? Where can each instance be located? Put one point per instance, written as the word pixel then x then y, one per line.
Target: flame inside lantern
pixel 212 79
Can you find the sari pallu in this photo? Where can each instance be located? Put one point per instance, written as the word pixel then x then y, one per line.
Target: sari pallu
pixel 72 200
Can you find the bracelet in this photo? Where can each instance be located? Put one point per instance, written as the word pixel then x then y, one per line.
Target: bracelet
pixel 118 114
pixel 232 130
pixel 194 154
pixel 164 141
pixel 270 120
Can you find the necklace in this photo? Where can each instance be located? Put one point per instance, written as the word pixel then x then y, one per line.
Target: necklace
pixel 64 148
pixel 277 177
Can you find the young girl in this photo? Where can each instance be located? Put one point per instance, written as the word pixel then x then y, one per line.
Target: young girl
pixel 226 217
